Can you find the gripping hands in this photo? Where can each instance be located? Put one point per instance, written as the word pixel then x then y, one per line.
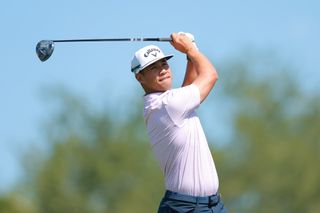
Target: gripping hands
pixel 191 37
pixel 183 42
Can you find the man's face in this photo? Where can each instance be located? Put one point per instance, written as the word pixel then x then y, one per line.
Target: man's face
pixel 156 77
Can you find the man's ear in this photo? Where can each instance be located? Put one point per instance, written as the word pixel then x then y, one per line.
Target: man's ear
pixel 139 77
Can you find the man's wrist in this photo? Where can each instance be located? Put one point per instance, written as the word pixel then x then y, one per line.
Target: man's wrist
pixel 191 52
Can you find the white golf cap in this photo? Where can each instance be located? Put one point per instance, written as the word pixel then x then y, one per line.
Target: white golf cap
pixel 146 56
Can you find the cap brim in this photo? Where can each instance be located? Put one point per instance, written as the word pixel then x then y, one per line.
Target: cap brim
pixel 167 57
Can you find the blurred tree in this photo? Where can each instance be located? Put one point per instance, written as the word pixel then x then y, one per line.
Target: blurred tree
pixel 13 203
pixel 271 163
pixel 96 162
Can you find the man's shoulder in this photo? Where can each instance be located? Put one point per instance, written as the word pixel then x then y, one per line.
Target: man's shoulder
pixel 183 93
pixel 185 88
pixel 174 96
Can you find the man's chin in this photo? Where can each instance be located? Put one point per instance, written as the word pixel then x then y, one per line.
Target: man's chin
pixel 166 83
pixel 166 86
pixel 163 89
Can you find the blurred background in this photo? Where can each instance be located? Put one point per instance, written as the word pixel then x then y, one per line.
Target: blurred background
pixel 72 136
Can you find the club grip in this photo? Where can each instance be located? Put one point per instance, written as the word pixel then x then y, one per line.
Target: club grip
pixel 165 39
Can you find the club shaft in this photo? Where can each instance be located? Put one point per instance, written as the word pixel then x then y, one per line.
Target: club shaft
pixel 115 39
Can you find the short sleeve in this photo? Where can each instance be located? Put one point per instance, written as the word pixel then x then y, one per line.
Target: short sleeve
pixel 181 103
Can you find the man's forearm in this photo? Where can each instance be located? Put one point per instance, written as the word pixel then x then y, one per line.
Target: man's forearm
pixel 191 74
pixel 200 63
pixel 206 73
pixel 199 71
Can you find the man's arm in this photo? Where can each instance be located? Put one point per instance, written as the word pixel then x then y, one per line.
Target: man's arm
pixel 190 75
pixel 199 71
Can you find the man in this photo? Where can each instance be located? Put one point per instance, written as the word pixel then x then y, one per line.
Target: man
pixel 176 135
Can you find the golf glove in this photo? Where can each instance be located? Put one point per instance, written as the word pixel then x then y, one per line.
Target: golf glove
pixel 191 37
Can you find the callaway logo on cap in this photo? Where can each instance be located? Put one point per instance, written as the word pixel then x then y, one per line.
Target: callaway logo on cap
pixel 146 56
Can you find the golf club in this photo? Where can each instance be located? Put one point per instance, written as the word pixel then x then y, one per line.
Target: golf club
pixel 44 48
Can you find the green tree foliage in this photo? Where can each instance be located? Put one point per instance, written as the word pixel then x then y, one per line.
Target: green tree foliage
pixel 271 163
pixel 13 203
pixel 94 162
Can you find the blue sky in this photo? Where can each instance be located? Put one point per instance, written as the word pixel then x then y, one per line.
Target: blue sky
pixel 100 71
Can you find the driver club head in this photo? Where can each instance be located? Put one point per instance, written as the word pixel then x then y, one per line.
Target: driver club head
pixel 44 49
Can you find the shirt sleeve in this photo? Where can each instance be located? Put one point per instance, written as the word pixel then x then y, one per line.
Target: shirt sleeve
pixel 181 103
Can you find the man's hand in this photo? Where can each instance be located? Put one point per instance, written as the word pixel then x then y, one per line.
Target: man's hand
pixel 183 42
pixel 200 71
pixel 191 37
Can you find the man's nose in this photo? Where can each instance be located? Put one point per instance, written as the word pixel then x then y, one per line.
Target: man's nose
pixel 163 71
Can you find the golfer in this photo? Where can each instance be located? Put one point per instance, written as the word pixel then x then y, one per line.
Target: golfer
pixel 175 131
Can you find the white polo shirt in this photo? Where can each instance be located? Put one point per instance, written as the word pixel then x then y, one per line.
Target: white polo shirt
pixel 178 141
